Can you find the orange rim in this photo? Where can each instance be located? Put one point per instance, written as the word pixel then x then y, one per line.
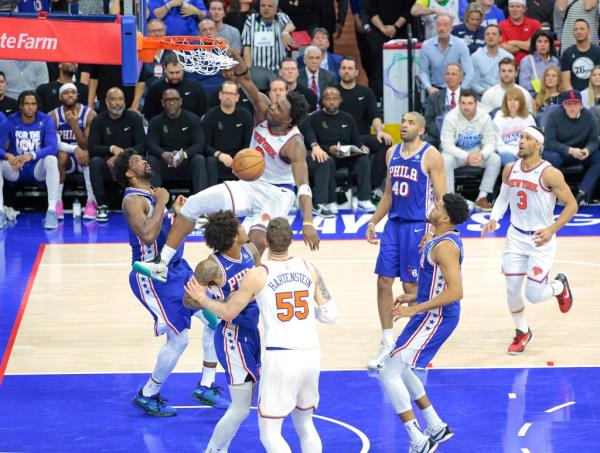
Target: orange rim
pixel 181 43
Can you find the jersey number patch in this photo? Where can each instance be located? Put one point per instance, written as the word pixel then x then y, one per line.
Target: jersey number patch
pixel 290 304
pixel 522 204
pixel 400 188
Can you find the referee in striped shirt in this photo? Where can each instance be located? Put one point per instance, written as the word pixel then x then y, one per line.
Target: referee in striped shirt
pixel 266 36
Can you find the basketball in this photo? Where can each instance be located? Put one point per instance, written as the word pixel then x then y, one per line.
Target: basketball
pixel 248 164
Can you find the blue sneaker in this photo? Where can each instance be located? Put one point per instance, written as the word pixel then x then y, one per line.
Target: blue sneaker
pixel 154 405
pixel 51 221
pixel 211 396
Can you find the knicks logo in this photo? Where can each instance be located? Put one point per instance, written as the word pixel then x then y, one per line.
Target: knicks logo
pixel 537 270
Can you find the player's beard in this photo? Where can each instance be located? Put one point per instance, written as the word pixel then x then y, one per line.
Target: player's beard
pixel 116 112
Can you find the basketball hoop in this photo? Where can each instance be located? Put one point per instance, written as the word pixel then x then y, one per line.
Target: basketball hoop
pixel 198 54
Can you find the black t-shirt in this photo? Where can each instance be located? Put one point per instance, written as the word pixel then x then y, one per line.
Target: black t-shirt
pixel 8 105
pixel 580 64
pixel 171 134
pixel 360 102
pixel 192 95
pixel 48 94
pixel 126 131
pixel 333 129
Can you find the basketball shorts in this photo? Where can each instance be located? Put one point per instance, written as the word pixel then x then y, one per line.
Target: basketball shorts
pixel 74 167
pixel 522 257
pixel 164 301
pixel 238 351
pixel 289 380
pixel 26 173
pixel 399 250
pixel 423 336
pixel 255 198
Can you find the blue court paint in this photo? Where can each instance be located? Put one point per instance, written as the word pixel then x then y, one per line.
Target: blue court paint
pixel 84 413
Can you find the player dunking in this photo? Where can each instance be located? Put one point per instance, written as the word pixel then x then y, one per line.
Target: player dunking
pixel 277 137
pixel 237 342
pixel 72 121
pixel 148 224
pixel 530 187
pixel 290 294
pixel 433 319
pixel 415 178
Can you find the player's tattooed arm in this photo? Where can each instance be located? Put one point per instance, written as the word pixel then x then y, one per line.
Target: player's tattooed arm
pixel 255 253
pixel 208 272
pixel 322 289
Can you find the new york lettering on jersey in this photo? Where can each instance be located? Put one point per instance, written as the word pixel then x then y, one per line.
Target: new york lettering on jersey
pixel 412 191
pixel 141 251
pixel 531 204
pixel 64 129
pixel 277 170
pixel 233 272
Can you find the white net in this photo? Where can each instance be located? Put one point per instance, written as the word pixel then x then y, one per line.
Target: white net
pixel 206 61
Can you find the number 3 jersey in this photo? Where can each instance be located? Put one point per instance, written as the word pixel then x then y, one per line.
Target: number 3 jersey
pixel 412 191
pixel 531 203
pixel 287 304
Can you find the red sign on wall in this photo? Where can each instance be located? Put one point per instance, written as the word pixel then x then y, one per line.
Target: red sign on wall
pixel 43 39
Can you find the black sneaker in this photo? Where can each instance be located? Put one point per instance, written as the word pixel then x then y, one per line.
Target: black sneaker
pixel 428 447
pixel 440 435
pixel 581 198
pixel 102 215
pixel 323 211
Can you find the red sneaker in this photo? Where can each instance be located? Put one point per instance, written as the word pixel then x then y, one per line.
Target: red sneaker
pixel 565 299
pixel 519 342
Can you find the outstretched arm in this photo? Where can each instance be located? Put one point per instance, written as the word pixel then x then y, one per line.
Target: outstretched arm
pixel 251 285
pixel 242 75
pixel 295 151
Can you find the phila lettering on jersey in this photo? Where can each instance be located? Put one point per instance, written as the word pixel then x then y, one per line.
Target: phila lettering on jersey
pixel 277 170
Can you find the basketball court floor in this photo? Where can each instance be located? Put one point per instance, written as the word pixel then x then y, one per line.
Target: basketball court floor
pixel 76 345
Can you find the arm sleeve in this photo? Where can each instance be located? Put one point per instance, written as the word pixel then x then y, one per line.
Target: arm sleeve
pixel 153 138
pixel 95 139
pixel 50 147
pixel 501 204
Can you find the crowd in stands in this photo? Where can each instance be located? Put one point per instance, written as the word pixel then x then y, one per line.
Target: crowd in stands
pixel 488 69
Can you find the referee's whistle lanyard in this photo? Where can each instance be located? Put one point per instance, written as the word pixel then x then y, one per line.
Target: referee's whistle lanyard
pixel 268 27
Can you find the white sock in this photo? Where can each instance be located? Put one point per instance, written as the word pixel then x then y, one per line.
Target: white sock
pixel 60 191
pixel 520 322
pixel 208 376
pixel 481 194
pixel 557 287
pixel 414 431
pixel 167 253
pixel 432 418
pixel 388 336
pixel 151 388
pixel 241 399
pixel 88 184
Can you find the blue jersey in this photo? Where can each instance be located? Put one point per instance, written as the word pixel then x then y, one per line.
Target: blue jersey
pixel 431 281
pixel 64 130
pixel 233 271
pixel 33 6
pixel 412 191
pixel 38 137
pixel 141 251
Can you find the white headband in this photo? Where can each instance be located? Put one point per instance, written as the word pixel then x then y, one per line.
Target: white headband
pixel 535 134
pixel 67 86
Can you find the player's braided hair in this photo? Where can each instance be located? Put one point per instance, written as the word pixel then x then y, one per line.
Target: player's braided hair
pixel 456 207
pixel 220 230
pixel 121 166
pixel 298 107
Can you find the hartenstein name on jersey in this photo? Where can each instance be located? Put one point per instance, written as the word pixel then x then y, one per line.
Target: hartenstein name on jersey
pixel 264 144
pixel 402 171
pixel 290 277
pixel 521 184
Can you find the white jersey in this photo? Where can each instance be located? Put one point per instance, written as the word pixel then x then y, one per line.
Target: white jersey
pixel 287 304
pixel 277 171
pixel 531 204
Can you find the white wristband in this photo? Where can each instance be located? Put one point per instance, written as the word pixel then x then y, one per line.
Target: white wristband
pixel 304 189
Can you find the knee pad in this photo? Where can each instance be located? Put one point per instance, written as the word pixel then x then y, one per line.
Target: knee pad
pixel 536 292
pixel 413 384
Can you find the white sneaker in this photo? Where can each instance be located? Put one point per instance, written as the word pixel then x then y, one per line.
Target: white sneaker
pixel 366 205
pixel 156 271
pixel 376 363
pixel 428 446
pixel 439 435
pixel 333 207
